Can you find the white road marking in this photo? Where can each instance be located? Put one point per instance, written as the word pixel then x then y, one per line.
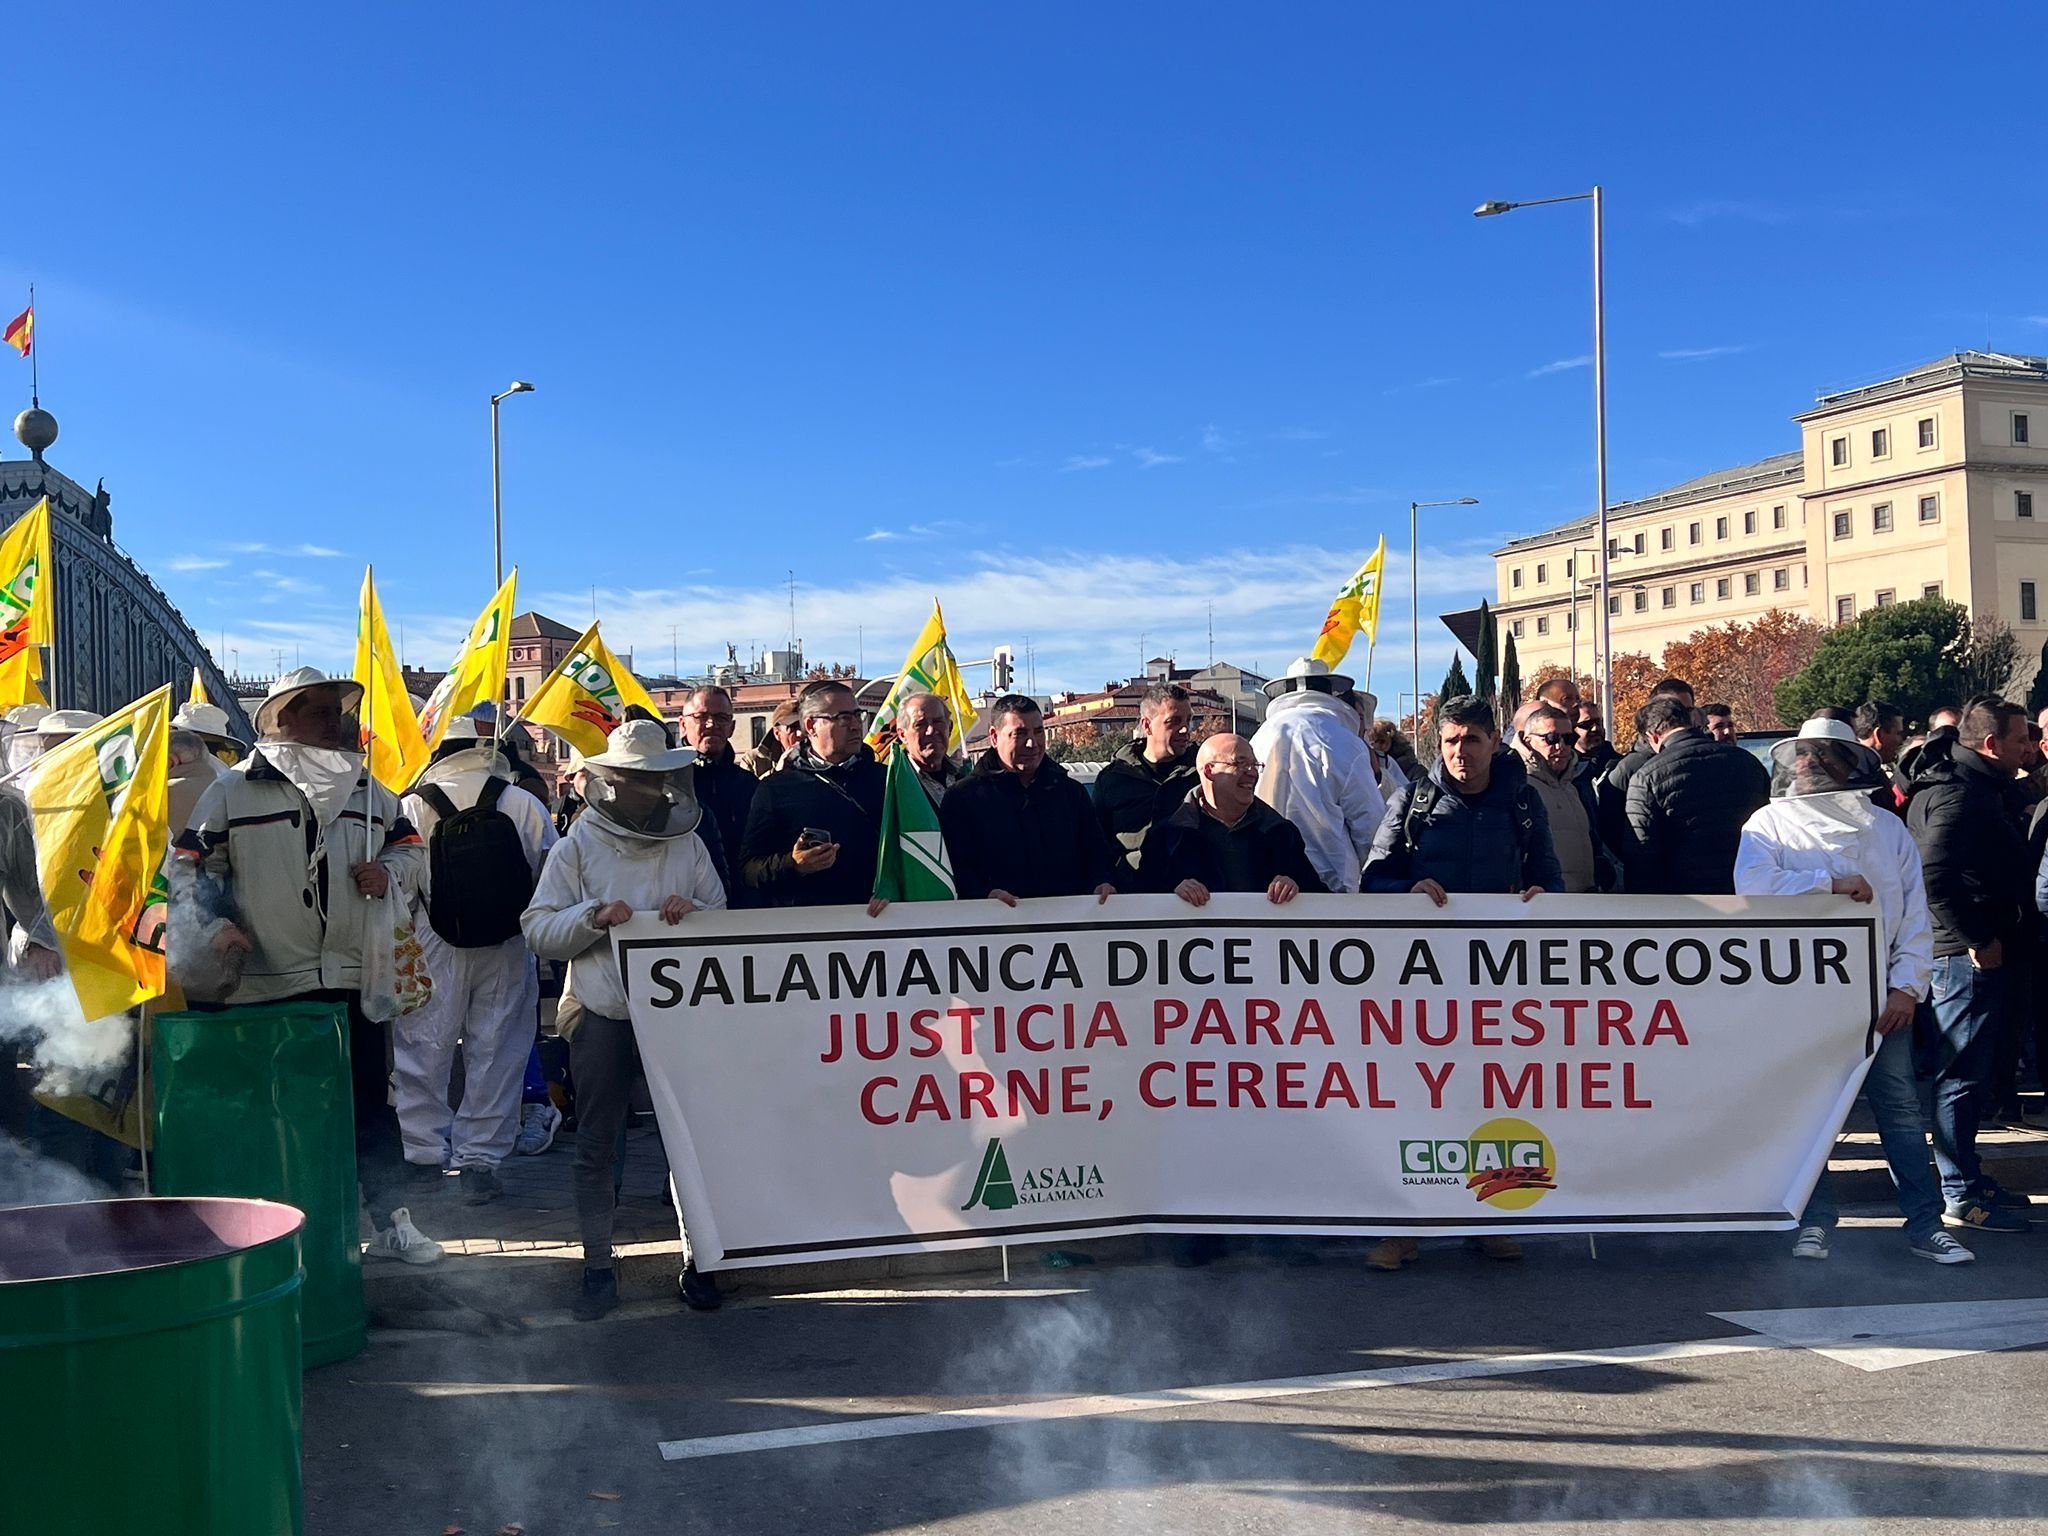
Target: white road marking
pixel 1882 1338
pixel 1104 1405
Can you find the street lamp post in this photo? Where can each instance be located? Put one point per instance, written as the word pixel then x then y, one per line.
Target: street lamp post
pixel 1415 594
pixel 1579 579
pixel 1490 209
pixel 519 387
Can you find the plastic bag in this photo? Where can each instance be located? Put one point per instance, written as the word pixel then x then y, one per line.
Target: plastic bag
pixel 381 917
pixel 415 985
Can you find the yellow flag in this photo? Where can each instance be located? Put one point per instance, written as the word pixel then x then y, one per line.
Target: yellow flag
pixel 584 699
pixel 198 693
pixel 101 809
pixel 478 675
pixel 1357 608
pixel 929 668
pixel 26 624
pixel 391 733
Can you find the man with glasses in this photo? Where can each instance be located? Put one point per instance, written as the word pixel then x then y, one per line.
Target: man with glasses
pixel 815 823
pixel 1222 837
pixel 1595 750
pixel 724 788
pixel 1543 738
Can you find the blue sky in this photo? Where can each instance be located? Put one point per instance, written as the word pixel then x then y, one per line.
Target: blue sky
pixel 1087 319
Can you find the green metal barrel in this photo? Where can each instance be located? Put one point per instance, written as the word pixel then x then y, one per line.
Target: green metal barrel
pixel 256 1102
pixel 149 1368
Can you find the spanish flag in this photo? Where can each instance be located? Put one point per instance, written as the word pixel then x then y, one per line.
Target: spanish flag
pixel 929 668
pixel 25 622
pixel 1357 608
pixel 585 698
pixel 101 810
pixel 478 673
pixel 391 733
pixel 21 331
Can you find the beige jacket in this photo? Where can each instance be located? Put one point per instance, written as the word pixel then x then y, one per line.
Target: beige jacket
pixel 1571 833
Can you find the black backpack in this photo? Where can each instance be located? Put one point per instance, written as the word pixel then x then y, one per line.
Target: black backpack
pixel 482 881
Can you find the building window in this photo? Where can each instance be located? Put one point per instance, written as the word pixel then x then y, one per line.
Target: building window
pixel 1613 605
pixel 1696 593
pixel 1639 546
pixel 1613 548
pixel 1542 623
pixel 1881 517
pixel 1930 509
pixel 2022 503
pixel 1777 517
pixel 1669 597
pixel 1568 571
pixel 1571 620
pixel 1838 452
pixel 1515 577
pixel 1721 588
pixel 1884 598
pixel 1932 589
pixel 1642 599
pixel 1926 431
pixel 1841 525
pixel 1845 609
pixel 2028 612
pixel 1721 527
pixel 1881 443
pixel 1781 580
pixel 1752 583
pixel 1749 521
pixel 2019 427
pixel 519 689
pixel 1518 629
pixel 1692 533
pixel 1666 538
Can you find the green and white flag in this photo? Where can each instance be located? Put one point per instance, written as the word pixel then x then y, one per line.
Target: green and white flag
pixel 912 864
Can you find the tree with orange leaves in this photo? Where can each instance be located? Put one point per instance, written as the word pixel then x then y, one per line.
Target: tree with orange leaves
pixel 1742 664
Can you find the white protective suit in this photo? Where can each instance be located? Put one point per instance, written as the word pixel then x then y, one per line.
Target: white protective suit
pixel 1801 844
pixel 1316 770
pixel 599 862
pixel 487 1000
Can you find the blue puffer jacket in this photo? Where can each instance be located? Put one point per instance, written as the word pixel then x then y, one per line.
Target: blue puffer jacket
pixel 1495 841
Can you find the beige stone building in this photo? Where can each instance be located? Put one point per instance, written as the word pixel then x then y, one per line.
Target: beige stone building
pixel 1930 484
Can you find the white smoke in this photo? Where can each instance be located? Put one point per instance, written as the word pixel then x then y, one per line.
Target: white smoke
pixel 27 1178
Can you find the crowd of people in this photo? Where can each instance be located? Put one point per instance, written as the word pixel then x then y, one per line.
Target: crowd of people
pixel 1944 833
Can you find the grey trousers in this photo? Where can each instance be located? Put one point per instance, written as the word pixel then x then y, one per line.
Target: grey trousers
pixel 603 1061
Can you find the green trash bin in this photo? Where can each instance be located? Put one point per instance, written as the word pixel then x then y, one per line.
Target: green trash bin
pixel 256 1102
pixel 149 1368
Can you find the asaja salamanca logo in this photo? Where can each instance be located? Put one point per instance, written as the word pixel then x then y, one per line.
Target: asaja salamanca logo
pixel 1507 1164
pixel 996 1190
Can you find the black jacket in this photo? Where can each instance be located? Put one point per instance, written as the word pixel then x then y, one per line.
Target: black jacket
pixel 844 800
pixel 1611 791
pixel 726 791
pixel 1132 792
pixel 1686 807
pixel 1495 841
pixel 1040 840
pixel 1963 813
pixel 1189 844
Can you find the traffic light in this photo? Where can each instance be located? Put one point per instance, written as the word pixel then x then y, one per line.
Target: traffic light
pixel 1005 669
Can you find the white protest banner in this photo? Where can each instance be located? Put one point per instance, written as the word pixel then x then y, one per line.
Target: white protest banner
pixel 961 1074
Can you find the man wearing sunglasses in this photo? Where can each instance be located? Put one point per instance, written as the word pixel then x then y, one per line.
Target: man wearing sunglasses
pixel 1564 783
pixel 1595 750
pixel 815 823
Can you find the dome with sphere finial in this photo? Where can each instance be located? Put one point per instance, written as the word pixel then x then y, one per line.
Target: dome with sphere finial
pixel 37 429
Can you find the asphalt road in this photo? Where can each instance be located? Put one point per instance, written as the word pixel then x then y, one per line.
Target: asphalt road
pixel 437 1429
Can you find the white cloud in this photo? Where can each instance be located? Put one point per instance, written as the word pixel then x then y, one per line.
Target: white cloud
pixel 1083 461
pixel 1150 458
pixel 305 551
pixel 1214 440
pixel 1562 365
pixel 1696 354
pixel 196 563
pixel 915 532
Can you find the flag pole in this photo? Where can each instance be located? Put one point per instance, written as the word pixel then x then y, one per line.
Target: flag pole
pixel 35 372
pixel 142 1095
pixel 369 723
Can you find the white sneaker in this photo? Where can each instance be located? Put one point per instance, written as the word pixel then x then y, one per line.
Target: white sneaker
pixel 537 1126
pixel 1812 1244
pixel 1942 1249
pixel 404 1241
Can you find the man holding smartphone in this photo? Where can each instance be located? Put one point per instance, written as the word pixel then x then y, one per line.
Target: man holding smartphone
pixel 815 824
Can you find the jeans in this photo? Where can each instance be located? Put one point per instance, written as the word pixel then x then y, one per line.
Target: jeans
pixel 1958 1050
pixel 1894 1099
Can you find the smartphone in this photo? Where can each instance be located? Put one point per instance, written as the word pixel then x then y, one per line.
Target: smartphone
pixel 813 837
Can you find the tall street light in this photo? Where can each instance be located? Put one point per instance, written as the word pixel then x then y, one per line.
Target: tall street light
pixel 1487 210
pixel 1415 595
pixel 519 387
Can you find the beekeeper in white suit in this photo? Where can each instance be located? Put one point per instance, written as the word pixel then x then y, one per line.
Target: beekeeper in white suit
pixel 1316 770
pixel 486 841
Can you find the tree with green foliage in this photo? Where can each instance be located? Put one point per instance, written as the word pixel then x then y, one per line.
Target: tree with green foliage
pixel 1919 655
pixel 1510 679
pixel 1455 686
pixel 1486 654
